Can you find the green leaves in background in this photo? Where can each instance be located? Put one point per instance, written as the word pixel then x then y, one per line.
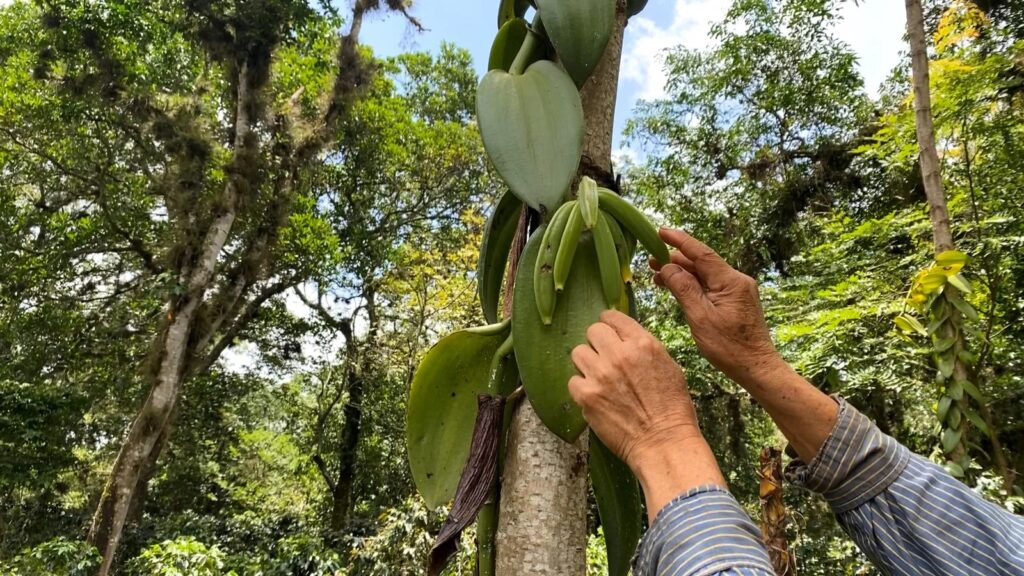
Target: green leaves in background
pixel 498 236
pixel 442 409
pixel 618 502
pixel 543 352
pixel 532 128
pixel 579 30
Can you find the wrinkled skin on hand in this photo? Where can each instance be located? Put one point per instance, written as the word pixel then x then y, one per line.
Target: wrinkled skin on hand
pixel 632 393
pixel 721 305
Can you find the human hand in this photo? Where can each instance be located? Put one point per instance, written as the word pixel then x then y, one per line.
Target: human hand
pixel 634 397
pixel 631 392
pixel 722 308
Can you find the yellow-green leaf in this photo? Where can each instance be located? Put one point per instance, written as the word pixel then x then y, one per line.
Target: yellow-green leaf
pixel 442 410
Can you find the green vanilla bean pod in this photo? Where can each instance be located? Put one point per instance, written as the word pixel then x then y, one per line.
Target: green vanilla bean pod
pixel 544 271
pixel 589 201
pixel 567 246
pixel 608 262
pixel 621 249
pixel 635 221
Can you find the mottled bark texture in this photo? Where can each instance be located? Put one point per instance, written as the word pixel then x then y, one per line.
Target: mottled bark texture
pixel 542 528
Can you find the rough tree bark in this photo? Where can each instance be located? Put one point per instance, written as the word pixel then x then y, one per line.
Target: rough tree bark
pixel 542 527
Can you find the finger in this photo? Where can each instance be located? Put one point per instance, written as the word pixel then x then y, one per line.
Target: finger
pixel 685 287
pixel 585 359
pixel 624 326
pixel 675 257
pixel 708 265
pixel 580 390
pixel 603 338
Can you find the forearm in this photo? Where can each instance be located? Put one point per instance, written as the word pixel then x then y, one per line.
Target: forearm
pixel 805 414
pixel 907 514
pixel 675 466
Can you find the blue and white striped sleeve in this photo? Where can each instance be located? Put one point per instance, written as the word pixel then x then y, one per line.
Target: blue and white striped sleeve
pixel 905 513
pixel 703 532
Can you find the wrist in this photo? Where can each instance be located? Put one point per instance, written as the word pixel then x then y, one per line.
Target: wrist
pixel 761 370
pixel 680 462
pixel 651 448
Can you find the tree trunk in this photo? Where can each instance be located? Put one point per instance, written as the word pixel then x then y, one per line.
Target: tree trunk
pixel 929 156
pixel 140 447
pixel 341 493
pixel 542 526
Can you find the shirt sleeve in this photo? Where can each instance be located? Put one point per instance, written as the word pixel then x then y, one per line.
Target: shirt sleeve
pixel 904 512
pixel 703 532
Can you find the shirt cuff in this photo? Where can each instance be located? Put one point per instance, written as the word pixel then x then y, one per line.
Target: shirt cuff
pixel 856 462
pixel 701 533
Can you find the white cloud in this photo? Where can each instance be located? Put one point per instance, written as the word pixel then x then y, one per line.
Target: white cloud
pixel 873 28
pixel 646 41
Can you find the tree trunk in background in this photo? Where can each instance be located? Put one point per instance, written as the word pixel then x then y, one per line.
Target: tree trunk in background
pixel 352 413
pixel 542 526
pixel 929 156
pixel 171 347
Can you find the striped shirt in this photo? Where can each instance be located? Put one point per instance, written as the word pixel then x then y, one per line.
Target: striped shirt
pixel 905 513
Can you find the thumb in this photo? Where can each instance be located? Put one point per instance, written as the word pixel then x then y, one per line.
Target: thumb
pixel 684 286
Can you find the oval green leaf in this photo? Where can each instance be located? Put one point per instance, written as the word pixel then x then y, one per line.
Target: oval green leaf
pixel 543 352
pixel 579 31
pixel 442 410
pixel 509 9
pixel 532 128
pixel 507 43
pixel 618 502
pixel 490 269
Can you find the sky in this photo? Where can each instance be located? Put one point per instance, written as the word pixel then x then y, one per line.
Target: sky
pixel 873 28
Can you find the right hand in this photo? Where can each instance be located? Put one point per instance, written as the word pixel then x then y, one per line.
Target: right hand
pixel 722 308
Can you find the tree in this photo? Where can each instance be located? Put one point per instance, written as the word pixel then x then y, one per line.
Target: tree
pixel 214 175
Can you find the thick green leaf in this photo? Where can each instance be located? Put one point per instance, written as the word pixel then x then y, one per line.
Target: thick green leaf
pixel 490 268
pixel 579 31
pixel 950 439
pixel 532 128
pixel 955 391
pixel 954 469
pixel 543 352
pixel 960 283
pixel 507 43
pixel 618 502
pixel 442 410
pixel 945 362
pixel 943 344
pixel 944 404
pixel 953 417
pixel 634 7
pixel 910 324
pixel 973 391
pixel 977 421
pixel 951 261
pixel 509 9
pixel 960 304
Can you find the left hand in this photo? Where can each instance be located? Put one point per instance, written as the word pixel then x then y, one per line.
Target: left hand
pixel 632 393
